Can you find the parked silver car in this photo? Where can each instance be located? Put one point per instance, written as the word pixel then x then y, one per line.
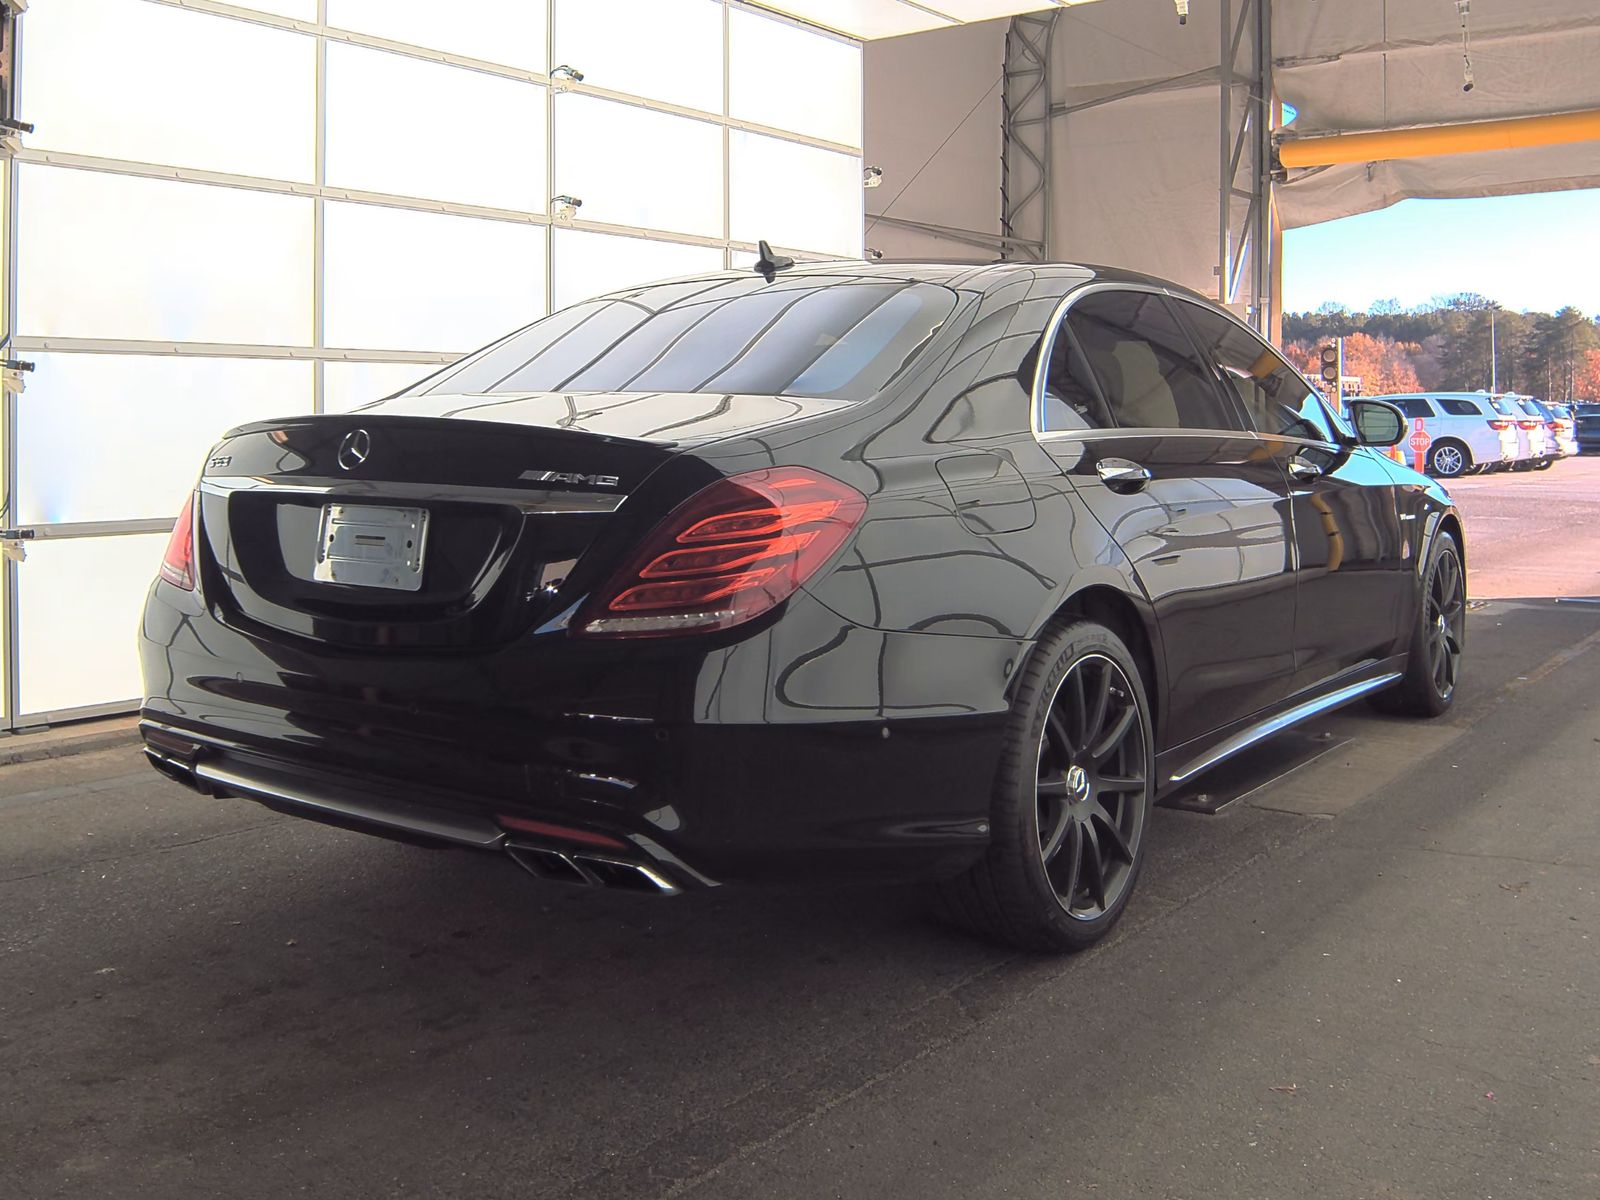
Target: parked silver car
pixel 1468 431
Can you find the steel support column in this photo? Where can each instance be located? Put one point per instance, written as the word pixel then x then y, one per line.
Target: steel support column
pixel 1244 158
pixel 1025 138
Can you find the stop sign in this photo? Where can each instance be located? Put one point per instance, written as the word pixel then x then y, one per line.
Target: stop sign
pixel 1419 442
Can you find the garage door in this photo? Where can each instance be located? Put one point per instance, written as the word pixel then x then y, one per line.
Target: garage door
pixel 229 212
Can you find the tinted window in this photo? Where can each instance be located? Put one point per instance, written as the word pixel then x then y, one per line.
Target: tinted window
pixel 1532 408
pixel 1412 406
pixel 1502 407
pixel 1275 396
pixel 1145 363
pixel 841 337
pixel 1460 408
pixel 1071 400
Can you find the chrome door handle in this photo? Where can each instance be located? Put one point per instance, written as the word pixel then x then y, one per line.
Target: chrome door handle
pixel 1119 474
pixel 1299 468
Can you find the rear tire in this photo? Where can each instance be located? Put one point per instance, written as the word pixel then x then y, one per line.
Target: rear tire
pixel 1449 458
pixel 1544 464
pixel 1438 639
pixel 1071 799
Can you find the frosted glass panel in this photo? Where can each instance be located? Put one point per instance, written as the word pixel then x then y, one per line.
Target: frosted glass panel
pixel 347 385
pixel 78 604
pixel 791 79
pixel 672 49
pixel 630 166
pixel 152 83
pixel 416 128
pixel 592 264
pixel 112 256
pixel 400 280
pixel 110 437
pixel 502 31
pixel 794 195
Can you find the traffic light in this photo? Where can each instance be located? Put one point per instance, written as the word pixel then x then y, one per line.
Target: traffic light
pixel 1330 363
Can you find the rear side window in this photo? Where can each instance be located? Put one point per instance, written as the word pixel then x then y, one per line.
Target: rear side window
pixel 1275 396
pixel 1146 364
pixel 839 337
pixel 1412 406
pixel 1460 408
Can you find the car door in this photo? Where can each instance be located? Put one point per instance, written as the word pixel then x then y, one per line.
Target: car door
pixel 1163 459
pixel 1353 587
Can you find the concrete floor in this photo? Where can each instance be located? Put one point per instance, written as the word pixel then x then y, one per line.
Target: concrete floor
pixel 1376 977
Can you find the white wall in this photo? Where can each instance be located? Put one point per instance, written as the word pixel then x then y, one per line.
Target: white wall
pixel 206 236
pixel 920 90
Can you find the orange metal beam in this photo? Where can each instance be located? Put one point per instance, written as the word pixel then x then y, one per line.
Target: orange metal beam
pixel 1433 140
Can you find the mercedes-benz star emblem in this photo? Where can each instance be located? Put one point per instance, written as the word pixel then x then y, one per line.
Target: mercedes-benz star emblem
pixel 1078 783
pixel 355 447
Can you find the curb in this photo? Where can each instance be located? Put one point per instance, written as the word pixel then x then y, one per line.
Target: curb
pixel 64 747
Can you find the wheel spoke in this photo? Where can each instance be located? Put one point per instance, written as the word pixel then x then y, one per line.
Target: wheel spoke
pixel 1053 789
pixel 1081 707
pixel 1094 864
pixel 1112 785
pixel 1095 720
pixel 1051 845
pixel 1118 843
pixel 1074 859
pixel 1064 743
pixel 1113 738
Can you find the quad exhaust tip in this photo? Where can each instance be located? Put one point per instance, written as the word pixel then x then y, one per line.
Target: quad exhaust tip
pixel 590 870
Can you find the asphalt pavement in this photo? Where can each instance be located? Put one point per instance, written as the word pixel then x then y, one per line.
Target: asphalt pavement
pixel 1374 977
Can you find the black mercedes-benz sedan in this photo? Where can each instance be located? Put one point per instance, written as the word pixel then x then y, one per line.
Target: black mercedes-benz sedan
pixel 833 571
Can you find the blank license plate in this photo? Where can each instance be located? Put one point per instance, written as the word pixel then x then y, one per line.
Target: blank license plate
pixel 367 546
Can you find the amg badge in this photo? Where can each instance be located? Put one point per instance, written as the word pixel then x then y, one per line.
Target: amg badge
pixel 607 481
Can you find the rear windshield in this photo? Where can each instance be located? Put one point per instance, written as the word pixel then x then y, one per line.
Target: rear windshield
pixel 1502 407
pixel 1531 407
pixel 839 337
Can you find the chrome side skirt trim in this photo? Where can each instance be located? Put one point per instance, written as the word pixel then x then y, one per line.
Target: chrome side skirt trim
pixel 1246 738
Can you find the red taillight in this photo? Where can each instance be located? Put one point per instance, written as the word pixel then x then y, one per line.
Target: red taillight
pixel 732 551
pixel 1528 424
pixel 177 564
pixel 1499 424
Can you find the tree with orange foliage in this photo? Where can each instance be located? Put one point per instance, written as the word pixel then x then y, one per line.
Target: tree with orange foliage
pixel 1383 365
pixel 1586 382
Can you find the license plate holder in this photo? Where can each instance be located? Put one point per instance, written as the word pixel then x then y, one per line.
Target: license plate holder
pixel 367 545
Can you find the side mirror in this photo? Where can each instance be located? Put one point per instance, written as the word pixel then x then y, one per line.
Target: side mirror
pixel 1377 424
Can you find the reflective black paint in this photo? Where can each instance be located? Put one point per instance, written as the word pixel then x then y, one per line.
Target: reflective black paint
pixel 855 731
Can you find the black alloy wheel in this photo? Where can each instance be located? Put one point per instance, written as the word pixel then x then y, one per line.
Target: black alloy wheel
pixel 1091 787
pixel 1072 799
pixel 1438 640
pixel 1445 621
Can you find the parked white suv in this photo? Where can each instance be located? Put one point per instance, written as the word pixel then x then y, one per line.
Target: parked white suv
pixel 1470 431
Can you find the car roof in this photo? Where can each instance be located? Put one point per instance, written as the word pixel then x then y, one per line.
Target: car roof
pixel 982 276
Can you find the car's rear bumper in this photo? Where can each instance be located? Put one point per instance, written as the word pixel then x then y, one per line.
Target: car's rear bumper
pixel 814 749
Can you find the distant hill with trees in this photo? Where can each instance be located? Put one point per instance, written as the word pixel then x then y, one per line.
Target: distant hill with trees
pixel 1444 346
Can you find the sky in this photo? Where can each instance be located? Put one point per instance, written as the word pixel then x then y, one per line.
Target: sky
pixel 1528 252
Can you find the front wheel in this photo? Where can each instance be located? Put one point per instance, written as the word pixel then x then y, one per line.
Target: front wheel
pixel 1448 459
pixel 1438 638
pixel 1071 800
